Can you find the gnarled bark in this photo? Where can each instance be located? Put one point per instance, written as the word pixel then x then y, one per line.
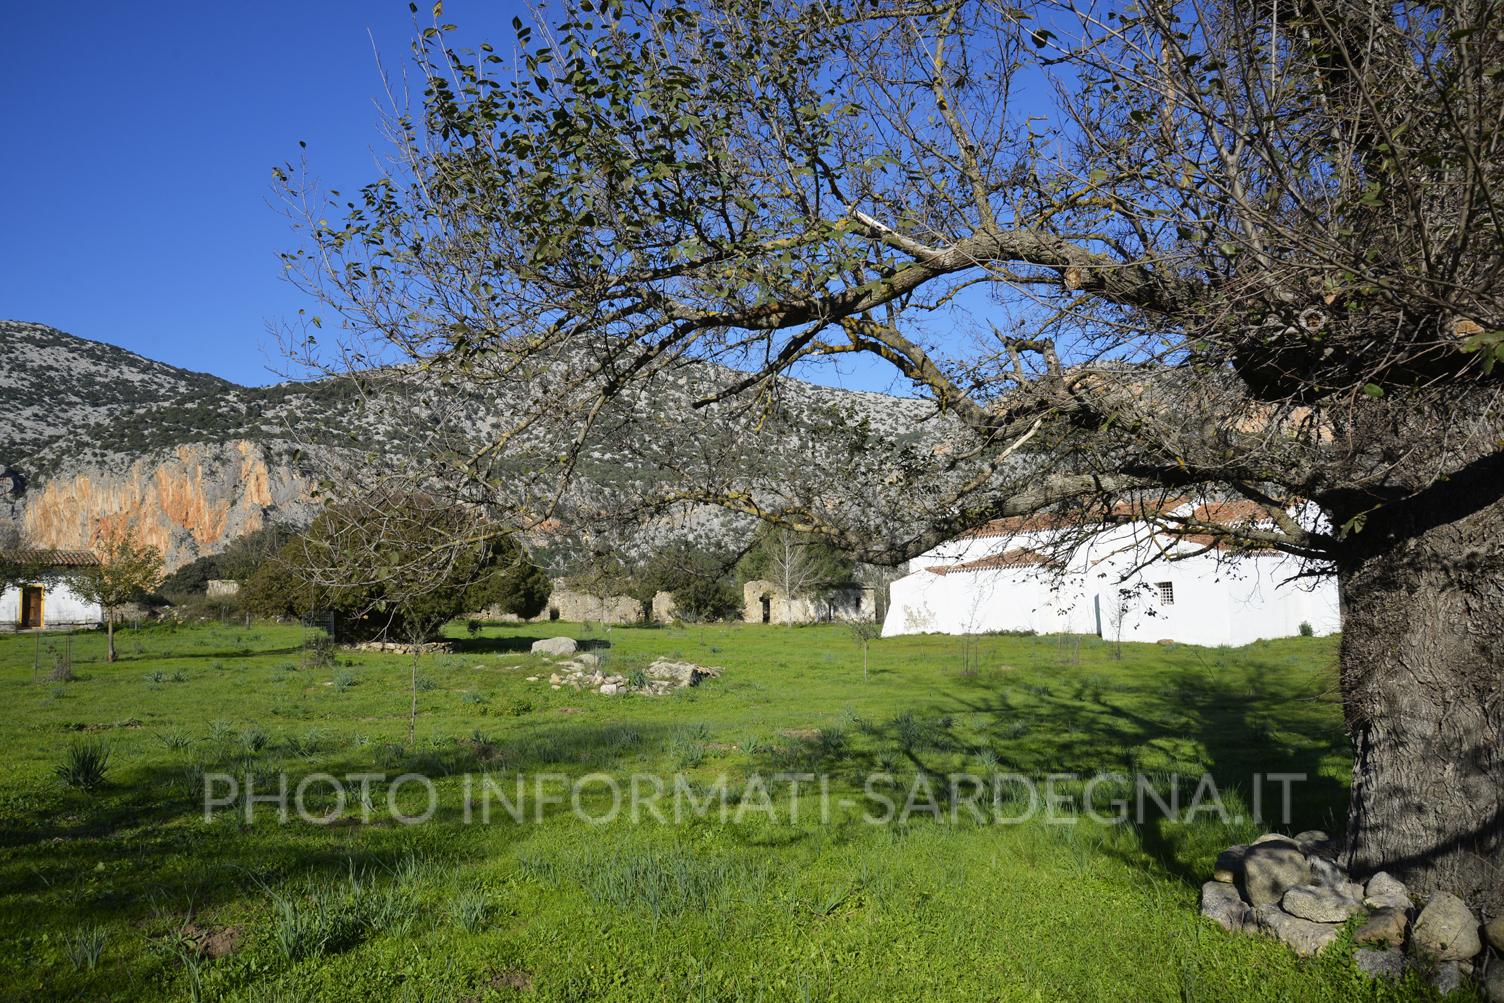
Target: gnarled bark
pixel 1422 664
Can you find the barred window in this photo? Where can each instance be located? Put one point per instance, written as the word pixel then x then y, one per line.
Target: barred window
pixel 1166 593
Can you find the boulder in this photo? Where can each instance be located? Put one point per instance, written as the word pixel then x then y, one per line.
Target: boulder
pixel 1270 867
pixel 1448 977
pixel 1387 965
pixel 1319 904
pixel 1303 936
pixel 1229 865
pixel 1446 929
pixel 1384 926
pixel 1328 874
pixel 679 673
pixel 1221 903
pixel 1493 931
pixel 1315 843
pixel 557 646
pixel 608 689
pixel 587 660
pixel 1493 984
pixel 1273 837
pixel 1386 892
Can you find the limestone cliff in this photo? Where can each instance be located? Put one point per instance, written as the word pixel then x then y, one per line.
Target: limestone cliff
pixel 93 437
pixel 187 501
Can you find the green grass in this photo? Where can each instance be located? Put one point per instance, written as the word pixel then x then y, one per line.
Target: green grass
pixel 117 892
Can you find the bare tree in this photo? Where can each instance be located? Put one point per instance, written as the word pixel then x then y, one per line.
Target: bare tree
pixel 401 566
pixel 127 572
pixel 801 565
pixel 1204 249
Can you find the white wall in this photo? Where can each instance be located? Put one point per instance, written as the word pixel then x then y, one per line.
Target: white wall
pixel 1220 602
pixel 61 607
pixel 1216 600
pixel 974 602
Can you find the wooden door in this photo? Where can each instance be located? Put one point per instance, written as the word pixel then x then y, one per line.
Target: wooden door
pixel 31 607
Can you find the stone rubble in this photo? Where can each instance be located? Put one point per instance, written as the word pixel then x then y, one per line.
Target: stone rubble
pixel 663 676
pixel 1291 888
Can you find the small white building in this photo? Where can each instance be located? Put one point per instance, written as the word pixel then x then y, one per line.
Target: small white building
pixel 48 601
pixel 1130 582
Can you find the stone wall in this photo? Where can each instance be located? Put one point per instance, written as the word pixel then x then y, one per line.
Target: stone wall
pixel 764 602
pixel 569 604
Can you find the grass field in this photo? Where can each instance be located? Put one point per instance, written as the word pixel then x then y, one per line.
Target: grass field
pixel 126 891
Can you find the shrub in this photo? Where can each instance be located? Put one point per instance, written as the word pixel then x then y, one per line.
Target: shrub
pixel 343 680
pixel 469 910
pixel 296 929
pixel 688 751
pixel 637 680
pixel 84 764
pixel 519 707
pixel 1306 630
pixel 425 684
pixel 472 697
pixel 306 745
pixel 85 946
pixel 191 781
pixel 473 626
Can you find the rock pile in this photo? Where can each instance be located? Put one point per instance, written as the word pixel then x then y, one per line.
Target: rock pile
pixel 583 672
pixel 1291 887
pixel 400 648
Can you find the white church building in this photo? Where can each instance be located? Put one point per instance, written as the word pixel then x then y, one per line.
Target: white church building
pixel 1131 582
pixel 47 601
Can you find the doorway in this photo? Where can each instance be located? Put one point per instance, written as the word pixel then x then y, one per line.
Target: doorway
pixel 31 607
pixel 767 609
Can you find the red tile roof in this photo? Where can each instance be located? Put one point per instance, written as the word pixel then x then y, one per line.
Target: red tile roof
pixel 50 558
pixel 1018 558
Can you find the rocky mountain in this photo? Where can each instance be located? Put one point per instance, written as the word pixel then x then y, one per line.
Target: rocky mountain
pixel 48 378
pixel 95 435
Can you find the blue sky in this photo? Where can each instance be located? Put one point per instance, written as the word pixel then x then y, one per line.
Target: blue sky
pixel 138 151
pixel 139 146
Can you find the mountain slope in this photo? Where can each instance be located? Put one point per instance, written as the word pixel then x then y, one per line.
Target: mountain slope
pixel 52 383
pixel 194 461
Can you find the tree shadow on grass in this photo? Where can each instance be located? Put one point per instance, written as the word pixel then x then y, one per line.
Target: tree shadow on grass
pixel 516 645
pixel 1172 726
pixel 150 822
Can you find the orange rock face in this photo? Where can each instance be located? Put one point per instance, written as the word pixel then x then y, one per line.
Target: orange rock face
pixel 189 502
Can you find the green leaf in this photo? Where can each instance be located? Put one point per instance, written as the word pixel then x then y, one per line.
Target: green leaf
pixel 1373 390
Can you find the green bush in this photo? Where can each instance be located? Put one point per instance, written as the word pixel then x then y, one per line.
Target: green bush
pixel 84 764
pixel 85 947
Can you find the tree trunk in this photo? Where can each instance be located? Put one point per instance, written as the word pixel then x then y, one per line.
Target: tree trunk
pixel 412 717
pixel 109 636
pixel 1422 660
